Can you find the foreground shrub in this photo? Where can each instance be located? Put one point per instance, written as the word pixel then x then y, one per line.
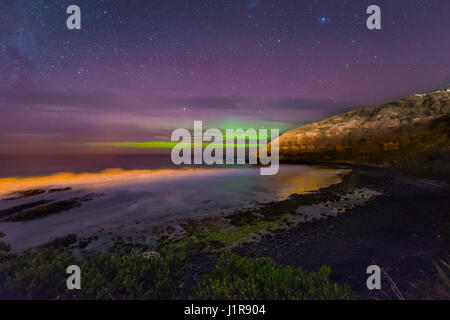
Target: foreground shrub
pixel 237 277
pixel 34 275
pixel 4 248
pixel 132 277
pixel 42 275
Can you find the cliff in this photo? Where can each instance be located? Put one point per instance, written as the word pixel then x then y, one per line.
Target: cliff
pixel 411 134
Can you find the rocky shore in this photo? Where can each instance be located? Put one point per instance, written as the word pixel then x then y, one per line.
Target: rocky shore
pixel 404 230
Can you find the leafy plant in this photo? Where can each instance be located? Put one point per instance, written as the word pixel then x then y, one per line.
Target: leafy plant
pixel 237 277
pixel 132 276
pixel 42 274
pixel 34 275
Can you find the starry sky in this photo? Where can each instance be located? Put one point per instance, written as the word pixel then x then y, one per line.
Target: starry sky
pixel 139 69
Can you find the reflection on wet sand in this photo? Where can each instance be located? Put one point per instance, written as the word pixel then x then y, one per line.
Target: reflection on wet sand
pixel 283 184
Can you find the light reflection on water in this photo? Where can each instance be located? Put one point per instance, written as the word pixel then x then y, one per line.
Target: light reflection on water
pixel 311 179
pixel 103 179
pixel 291 179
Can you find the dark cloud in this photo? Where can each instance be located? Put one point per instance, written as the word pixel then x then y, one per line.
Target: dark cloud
pixel 36 99
pixel 303 104
pixel 328 107
pixel 64 126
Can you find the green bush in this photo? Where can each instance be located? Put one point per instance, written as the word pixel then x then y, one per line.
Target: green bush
pixel 249 279
pixel 132 277
pixel 42 274
pixel 34 275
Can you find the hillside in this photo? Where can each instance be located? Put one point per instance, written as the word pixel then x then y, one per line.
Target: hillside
pixel 411 134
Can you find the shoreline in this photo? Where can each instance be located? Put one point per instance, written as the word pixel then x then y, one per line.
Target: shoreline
pixel 372 216
pixel 400 230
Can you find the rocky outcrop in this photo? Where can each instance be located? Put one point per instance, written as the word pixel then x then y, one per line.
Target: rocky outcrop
pixel 411 133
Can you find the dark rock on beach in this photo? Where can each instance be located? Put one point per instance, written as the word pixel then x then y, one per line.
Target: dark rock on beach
pixel 40 209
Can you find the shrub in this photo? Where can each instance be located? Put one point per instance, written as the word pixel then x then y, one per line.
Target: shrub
pixel 4 247
pixel 34 275
pixel 237 277
pixel 113 276
pixel 42 274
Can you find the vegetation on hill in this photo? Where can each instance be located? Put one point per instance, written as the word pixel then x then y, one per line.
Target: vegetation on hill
pixel 411 134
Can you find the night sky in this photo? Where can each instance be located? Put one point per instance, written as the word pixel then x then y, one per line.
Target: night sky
pixel 138 69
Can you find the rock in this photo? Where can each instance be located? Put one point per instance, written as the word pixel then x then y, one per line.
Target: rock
pixel 151 255
pixel 61 242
